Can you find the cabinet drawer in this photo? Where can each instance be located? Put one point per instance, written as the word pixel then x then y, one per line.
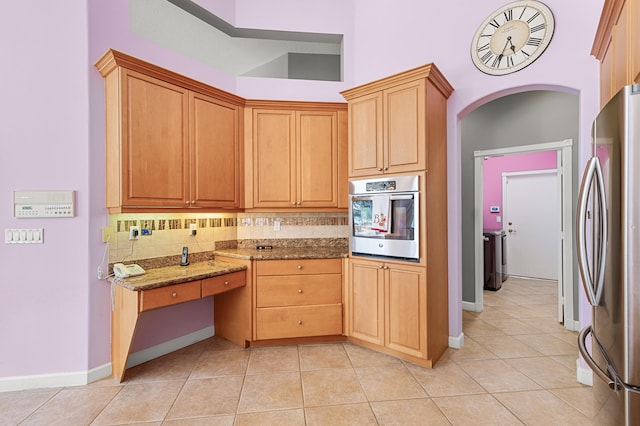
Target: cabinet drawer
pixel 222 283
pixel 170 295
pixel 301 321
pixel 299 267
pixel 298 290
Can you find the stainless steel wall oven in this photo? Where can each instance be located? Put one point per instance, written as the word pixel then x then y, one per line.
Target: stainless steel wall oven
pixel 384 217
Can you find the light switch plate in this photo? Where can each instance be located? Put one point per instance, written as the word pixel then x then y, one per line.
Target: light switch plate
pixel 24 236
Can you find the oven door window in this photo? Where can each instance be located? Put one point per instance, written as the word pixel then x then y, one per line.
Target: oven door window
pixel 402 218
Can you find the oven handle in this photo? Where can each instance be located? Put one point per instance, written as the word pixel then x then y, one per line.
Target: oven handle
pixel 391 197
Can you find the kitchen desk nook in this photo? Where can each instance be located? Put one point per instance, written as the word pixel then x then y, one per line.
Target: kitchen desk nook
pixel 160 287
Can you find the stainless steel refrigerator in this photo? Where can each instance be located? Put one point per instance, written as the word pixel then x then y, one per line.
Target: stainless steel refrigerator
pixel 608 240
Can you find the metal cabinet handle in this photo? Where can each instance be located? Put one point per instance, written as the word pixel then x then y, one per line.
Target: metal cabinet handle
pixel 299 291
pixel 299 322
pixel 174 294
pixel 299 266
pixel 226 283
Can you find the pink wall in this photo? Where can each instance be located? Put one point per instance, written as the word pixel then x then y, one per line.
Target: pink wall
pixel 492 179
pixel 52 133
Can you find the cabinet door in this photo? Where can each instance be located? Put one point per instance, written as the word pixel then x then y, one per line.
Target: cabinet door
pixel 215 153
pixel 366 301
pixel 274 165
pixel 404 132
pixel 606 72
pixel 634 39
pixel 619 41
pixel 406 313
pixel 365 135
pixel 154 157
pixel 317 177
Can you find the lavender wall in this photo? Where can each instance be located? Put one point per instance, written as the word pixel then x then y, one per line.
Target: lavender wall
pixel 492 179
pixel 53 322
pixel 44 129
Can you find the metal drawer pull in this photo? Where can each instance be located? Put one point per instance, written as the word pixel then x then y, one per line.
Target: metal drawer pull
pixel 174 294
pixel 299 322
pixel 226 283
pixel 300 290
pixel 299 266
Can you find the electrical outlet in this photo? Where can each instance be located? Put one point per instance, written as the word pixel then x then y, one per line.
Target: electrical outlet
pixel 276 225
pixel 134 232
pixel 107 235
pixel 192 229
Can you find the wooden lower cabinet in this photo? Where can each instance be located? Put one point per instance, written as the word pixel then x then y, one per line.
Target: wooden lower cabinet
pixel 387 306
pixel 298 298
pixel 298 321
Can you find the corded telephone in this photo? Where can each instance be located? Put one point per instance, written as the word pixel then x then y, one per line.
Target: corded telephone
pixel 123 271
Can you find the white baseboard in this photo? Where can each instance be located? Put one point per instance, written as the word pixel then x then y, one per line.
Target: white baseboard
pixel 8 384
pixel 16 383
pixel 157 351
pixel 585 375
pixel 456 342
pixel 572 325
pixel 470 306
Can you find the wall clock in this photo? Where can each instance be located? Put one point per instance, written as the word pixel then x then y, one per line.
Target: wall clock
pixel 512 37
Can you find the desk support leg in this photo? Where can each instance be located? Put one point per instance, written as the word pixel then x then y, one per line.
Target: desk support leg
pixel 123 326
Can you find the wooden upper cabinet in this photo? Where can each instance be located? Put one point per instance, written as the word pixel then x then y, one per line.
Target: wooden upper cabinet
pixel 404 133
pixel 634 37
pixel 297 157
pixel 215 153
pixel 617 46
pixel 317 158
pixel 365 133
pixel 154 144
pixel 170 141
pixel 274 158
pixel 390 121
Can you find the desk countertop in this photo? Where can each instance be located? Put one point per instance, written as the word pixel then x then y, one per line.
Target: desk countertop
pixel 286 253
pixel 168 275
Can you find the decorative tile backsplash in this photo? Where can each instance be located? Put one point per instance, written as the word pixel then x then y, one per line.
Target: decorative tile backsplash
pixel 169 232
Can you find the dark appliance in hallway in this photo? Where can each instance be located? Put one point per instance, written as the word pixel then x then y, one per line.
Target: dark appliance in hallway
pixel 495 259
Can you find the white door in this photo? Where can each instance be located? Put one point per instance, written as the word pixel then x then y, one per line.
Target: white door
pixel 531 221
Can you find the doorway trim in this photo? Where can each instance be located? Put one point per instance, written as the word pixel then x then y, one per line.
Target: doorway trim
pixel 565 275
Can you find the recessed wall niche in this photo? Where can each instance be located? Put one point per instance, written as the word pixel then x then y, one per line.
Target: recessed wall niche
pixel 188 28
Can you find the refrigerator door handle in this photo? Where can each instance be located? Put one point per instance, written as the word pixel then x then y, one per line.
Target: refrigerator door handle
pixel 592 280
pixel 604 375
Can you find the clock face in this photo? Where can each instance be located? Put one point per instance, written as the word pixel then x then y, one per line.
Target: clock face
pixel 512 37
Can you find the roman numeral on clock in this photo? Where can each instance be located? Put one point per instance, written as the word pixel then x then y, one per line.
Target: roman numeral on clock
pixel 534 41
pixel 538 28
pixel 487 57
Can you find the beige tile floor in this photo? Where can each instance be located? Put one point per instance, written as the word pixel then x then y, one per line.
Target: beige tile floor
pixel 517 366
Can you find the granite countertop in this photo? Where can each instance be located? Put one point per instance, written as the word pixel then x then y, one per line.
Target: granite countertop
pixel 168 275
pixel 320 252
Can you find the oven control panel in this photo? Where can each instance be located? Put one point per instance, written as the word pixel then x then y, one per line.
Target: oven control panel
pixel 383 185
